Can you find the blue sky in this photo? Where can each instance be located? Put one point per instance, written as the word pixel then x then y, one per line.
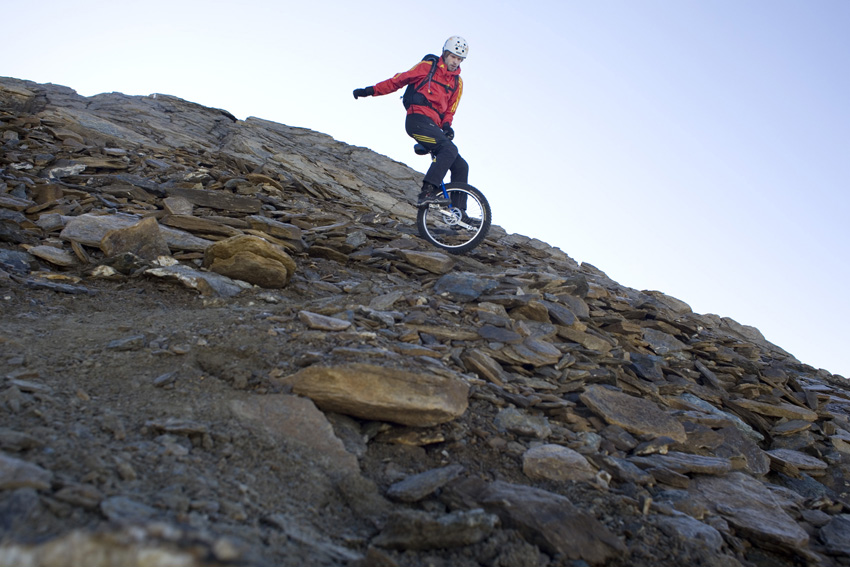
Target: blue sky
pixel 698 148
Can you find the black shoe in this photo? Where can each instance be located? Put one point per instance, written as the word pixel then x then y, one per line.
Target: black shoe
pixel 431 195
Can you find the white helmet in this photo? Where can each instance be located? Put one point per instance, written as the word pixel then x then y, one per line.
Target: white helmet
pixel 456 45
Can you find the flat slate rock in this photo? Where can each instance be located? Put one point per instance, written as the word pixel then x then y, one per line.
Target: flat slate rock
pixel 780 409
pixel 417 530
pixel 547 519
pixel 750 507
pixel 382 393
pixel 90 229
pixel 798 459
pixel 635 415
pixel 685 463
pixel 418 486
pixel 297 423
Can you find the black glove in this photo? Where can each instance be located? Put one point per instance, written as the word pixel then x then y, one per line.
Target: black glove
pixel 447 130
pixel 368 91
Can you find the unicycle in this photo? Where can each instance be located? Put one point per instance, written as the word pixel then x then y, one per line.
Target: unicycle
pixel 460 226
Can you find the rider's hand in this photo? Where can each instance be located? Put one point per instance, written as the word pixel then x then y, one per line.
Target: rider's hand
pixel 368 91
pixel 447 130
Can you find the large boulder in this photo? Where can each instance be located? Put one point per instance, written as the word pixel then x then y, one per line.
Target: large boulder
pixel 251 259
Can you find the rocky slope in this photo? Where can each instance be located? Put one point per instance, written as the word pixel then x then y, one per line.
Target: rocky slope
pixel 222 343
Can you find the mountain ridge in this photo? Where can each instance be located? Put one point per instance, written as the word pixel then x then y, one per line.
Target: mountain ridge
pixel 244 280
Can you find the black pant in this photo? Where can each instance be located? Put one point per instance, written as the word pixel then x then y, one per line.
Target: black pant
pixel 423 130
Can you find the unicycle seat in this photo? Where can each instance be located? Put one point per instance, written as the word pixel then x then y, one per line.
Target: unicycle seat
pixel 420 150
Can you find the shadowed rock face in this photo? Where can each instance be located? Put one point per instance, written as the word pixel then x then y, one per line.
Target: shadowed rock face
pixel 223 343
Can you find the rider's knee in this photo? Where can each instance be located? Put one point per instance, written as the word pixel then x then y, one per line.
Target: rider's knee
pixel 460 170
pixel 448 149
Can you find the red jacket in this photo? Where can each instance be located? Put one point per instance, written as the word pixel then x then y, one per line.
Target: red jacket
pixel 443 93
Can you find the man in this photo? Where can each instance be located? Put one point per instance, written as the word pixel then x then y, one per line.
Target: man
pixel 429 117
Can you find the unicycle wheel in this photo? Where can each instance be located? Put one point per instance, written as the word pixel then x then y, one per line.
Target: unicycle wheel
pixel 451 227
